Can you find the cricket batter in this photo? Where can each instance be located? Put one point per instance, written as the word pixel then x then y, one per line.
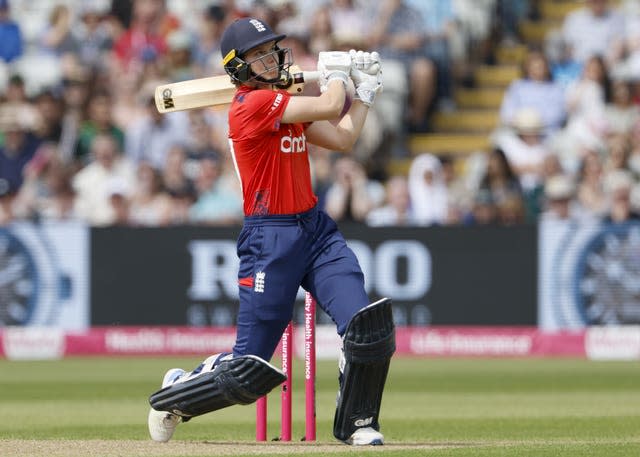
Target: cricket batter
pixel 287 242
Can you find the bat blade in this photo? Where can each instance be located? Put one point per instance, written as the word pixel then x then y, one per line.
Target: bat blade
pixel 212 91
pixel 194 93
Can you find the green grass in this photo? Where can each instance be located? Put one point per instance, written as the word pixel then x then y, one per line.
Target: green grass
pixel 440 407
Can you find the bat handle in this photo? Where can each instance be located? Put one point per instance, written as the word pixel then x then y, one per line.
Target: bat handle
pixel 296 82
pixel 306 77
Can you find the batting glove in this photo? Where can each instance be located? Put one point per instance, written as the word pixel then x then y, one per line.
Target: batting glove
pixel 333 65
pixel 366 73
pixel 368 62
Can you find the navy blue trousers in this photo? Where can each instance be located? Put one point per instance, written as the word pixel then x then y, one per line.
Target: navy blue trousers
pixel 278 254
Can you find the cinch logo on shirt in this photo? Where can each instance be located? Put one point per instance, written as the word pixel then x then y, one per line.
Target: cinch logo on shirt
pixel 292 144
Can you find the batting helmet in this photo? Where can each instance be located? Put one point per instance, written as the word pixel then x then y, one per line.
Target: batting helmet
pixel 241 36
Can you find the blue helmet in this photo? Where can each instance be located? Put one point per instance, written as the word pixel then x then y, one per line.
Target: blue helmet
pixel 241 36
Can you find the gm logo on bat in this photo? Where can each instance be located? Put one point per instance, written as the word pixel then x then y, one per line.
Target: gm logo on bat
pixel 166 98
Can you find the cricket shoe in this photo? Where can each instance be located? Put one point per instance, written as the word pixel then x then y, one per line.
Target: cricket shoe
pixel 162 424
pixel 366 436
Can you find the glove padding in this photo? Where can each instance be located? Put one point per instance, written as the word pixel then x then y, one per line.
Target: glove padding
pixel 333 65
pixel 367 62
pixel 366 74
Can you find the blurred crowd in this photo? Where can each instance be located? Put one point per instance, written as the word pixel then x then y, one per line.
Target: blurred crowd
pixel 80 136
pixel 570 126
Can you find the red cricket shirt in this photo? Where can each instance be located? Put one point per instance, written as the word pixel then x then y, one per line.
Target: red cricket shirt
pixel 271 158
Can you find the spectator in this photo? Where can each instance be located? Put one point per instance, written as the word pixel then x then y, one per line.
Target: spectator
pixel 50 113
pixel 207 133
pixel 234 9
pixel 266 11
pixel 564 68
pixel 75 93
pixel 459 189
pixel 16 97
pixel 152 66
pixel 535 90
pixel 399 34
pixel 179 66
pixel 119 203
pixel 585 101
pixel 525 149
pixel 215 204
pixel 428 190
pixel 618 186
pixel 511 210
pixel 320 33
pixel 595 29
pixel 620 113
pixel 504 198
pixel 98 120
pixel 499 179
pixel 348 22
pixel 616 160
pixel 181 203
pixel 95 37
pixel 321 172
pixel 298 42
pixel 586 97
pixel 590 193
pixel 629 65
pixel 128 108
pixel 634 155
pixel 149 138
pixel 291 16
pixel 397 211
pixel 207 45
pixel 477 19
pixel 511 13
pixel 17 150
pixel 149 204
pixel 483 210
pixel 58 38
pixel 145 36
pixel 535 201
pixel 174 179
pixel 440 29
pixel 10 35
pixel 342 25
pixel 352 195
pixel 96 183
pixel 6 205
pixel 46 192
pixel 120 15
pixel 15 92
pixel 178 185
pixel 59 203
pixel 559 191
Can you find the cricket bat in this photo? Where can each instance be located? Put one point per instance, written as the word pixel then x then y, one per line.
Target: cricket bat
pixel 215 91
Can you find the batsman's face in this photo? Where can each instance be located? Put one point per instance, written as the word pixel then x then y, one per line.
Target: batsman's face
pixel 264 60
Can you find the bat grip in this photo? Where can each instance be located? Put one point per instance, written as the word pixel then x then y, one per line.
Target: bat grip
pixel 297 80
pixel 307 76
pixel 300 78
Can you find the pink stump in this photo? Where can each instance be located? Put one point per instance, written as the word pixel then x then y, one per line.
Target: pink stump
pixel 309 376
pixel 261 419
pixel 310 367
pixel 287 362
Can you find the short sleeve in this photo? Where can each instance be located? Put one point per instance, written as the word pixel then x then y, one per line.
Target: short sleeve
pixel 260 111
